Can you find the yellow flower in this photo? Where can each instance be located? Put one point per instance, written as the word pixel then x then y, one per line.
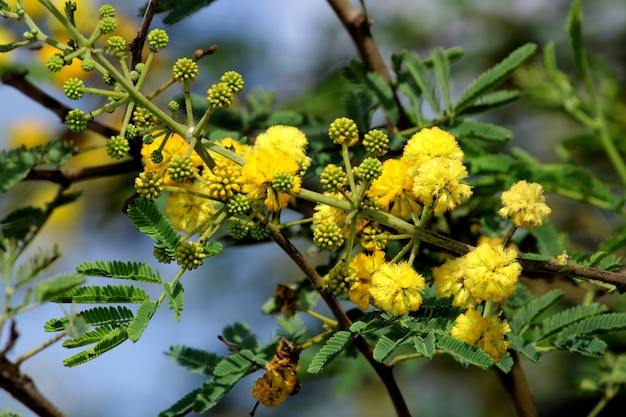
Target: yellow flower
pixel 449 280
pixel 260 170
pixel 223 181
pixel 438 182
pixel 187 212
pixel 288 139
pixel 525 204
pixel 486 333
pixel 233 145
pixel 431 143
pixel 175 145
pixel 491 272
pixel 392 190
pixel 281 379
pixel 395 288
pixel 364 266
pixel 328 214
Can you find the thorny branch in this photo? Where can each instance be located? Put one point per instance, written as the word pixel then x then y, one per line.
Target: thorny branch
pixel 136 46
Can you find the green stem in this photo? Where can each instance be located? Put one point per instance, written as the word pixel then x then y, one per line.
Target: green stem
pixel 66 23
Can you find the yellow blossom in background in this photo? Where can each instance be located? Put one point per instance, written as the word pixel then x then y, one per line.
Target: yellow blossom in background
pixel 430 143
pixel 393 189
pixel 187 212
pixel 438 182
pixel 6 37
pixel 233 145
pixel 491 272
pixel 486 333
pixel 449 281
pixel 175 145
pixel 525 204
pixel 396 288
pixel 260 170
pixel 364 266
pixel 288 139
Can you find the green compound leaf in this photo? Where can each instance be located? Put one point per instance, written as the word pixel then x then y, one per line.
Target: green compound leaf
pixel 107 294
pixel 240 336
pixel 473 129
pixel 292 329
pixel 97 316
pixel 360 108
pixel 441 68
pixel 113 338
pixel 194 360
pixel 525 347
pixel 588 346
pixel 421 81
pixel 178 10
pixel 14 166
pixel 135 271
pixel 90 337
pixel 492 101
pixel 148 219
pixel 38 263
pixel 525 315
pixel 143 316
pixel 56 286
pixel 19 223
pixel 183 406
pixel 589 326
pixel 213 390
pixel 174 294
pixel 384 94
pixel 494 76
pixel 426 346
pixel 331 349
pixel 390 341
pixel 234 364
pixel 557 322
pixel 465 353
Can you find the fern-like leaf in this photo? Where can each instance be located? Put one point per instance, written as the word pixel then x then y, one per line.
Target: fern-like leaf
pixel 492 101
pixel 107 294
pixel 525 347
pixel 557 322
pixel 135 271
pixel 148 219
pixel 116 337
pixel 234 364
pixel 292 328
pixel 425 346
pixel 494 76
pixel 422 81
pixel 55 286
pixel 359 107
pixel 391 341
pixel 441 68
pixel 174 294
pixel 35 265
pixel 530 311
pixel 465 353
pixel 384 95
pixel 588 346
pixel 90 337
pixel 240 336
pixel 98 316
pixel 371 322
pixel 194 360
pixel 143 316
pixel 474 129
pixel 183 406
pixel 597 324
pixel 214 390
pixel 331 349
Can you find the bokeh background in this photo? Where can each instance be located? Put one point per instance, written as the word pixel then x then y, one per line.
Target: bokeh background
pixel 292 48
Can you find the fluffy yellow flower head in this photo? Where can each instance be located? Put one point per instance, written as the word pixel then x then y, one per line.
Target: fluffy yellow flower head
pixel 364 266
pixel 449 281
pixel 439 183
pixel 491 272
pixel 396 288
pixel 174 146
pixel 288 139
pixel 328 214
pixel 187 212
pixel 393 189
pixel 260 170
pixel 235 146
pixel 431 143
pixel 486 333
pixel 525 204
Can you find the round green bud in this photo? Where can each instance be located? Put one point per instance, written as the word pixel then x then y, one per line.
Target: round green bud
pixel 328 236
pixel 283 182
pixel 234 81
pixel 173 106
pixel 20 10
pixel 220 96
pixel 340 279
pixel 156 156
pixel 88 64
pixel 162 255
pixel 134 76
pixel 158 39
pixel 149 185
pixel 185 69
pixel 108 79
pixel 108 25
pixel 180 168
pixel 117 147
pixel 333 178
pixel 76 121
pixel 238 229
pixel 140 67
pixel 343 130
pixel 189 255
pixel 370 169
pixel 55 63
pixel 74 88
pixel 117 45
pixel 238 204
pixel 376 142
pixel 106 10
pixel 29 36
pixel 147 139
pixel 259 231
pixel 142 117
pixel 131 132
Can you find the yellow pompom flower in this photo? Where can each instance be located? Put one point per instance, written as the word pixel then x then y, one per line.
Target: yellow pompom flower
pixel 233 145
pixel 431 143
pixel 393 189
pixel 187 212
pixel 223 181
pixel 260 170
pixel 175 146
pixel 486 333
pixel 491 272
pixel 364 266
pixel 439 183
pixel 449 281
pixel 396 288
pixel 525 204
pixel 288 139
pixel 329 214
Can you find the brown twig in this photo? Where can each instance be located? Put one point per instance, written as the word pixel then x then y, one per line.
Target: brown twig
pixel 517 386
pixel 66 176
pixel 18 80
pixel 136 46
pixel 384 372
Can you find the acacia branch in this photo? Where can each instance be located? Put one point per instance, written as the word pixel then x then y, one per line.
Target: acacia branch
pixel 136 46
pixel 516 384
pixel 66 176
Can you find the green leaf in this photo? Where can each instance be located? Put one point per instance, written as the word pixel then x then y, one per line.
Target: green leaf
pixel 549 242
pixel 178 10
pixel 505 364
pixel 174 296
pixel 371 322
pixel 143 316
pixel 588 346
pixel 422 80
pixel 15 166
pixel 614 242
pixel 490 164
pixel 555 323
pixel 97 316
pixel 116 337
pixel 331 349
pixel 212 248
pixel 107 294
pixel 602 323
pixel 90 337
pixel 284 117
pixel 55 286
pixel 441 68
pixel 384 95
pixel 19 223
pixel 194 360
pixel 292 328
pixel 390 341
pixel 135 271
pixel 465 353
pixel 234 364
pixel 426 346
pixel 149 220
pixel 360 107
pixel 574 29
pixel 38 263
pixel 525 347
pixel 474 129
pixel 240 336
pixel 183 406
pixel 530 311
pixel 494 76
pixel 213 390
pixel 491 101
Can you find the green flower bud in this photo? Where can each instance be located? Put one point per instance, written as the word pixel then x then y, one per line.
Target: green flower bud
pixel 333 178
pixel 173 106
pixel 147 139
pixel 259 231
pixel 376 142
pixel 370 169
pixel 88 64
pixel 55 63
pixel 343 130
pixel 328 236
pixel 142 117
pixel 180 168
pixel 185 69
pixel 234 81
pixel 149 185
pixel 156 157
pixel 131 132
pixel 340 279
pixel 140 67
pixel 106 10
pixel 108 25
pixel 189 255
pixel 158 39
pixel 283 182
pixel 117 147
pixel 76 121
pixel 238 204
pixel 117 45
pixel 162 255
pixel 220 96
pixel 238 229
pixel 74 88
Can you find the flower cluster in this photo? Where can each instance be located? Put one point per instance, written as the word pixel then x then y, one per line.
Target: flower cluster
pixel 486 333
